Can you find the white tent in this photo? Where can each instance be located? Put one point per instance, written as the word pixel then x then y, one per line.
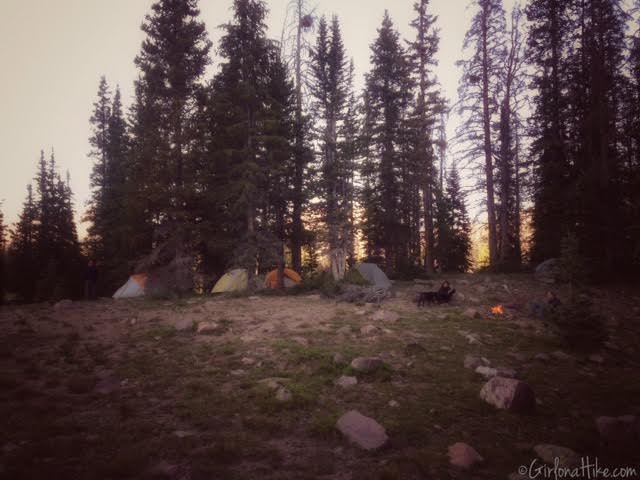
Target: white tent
pixel 372 273
pixel 135 287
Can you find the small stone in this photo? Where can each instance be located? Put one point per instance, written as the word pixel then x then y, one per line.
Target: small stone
pixel 509 394
pixel 543 357
pixel 617 431
pixel 596 358
pixel 549 453
pixel 471 313
pixel 207 328
pixel 346 382
pixel 237 373
pixel 339 359
pixel 393 404
pixel 254 298
pixel 369 330
pixel 301 341
pixel 463 456
pixel 346 330
pixel 489 372
pixel 184 433
pixel 560 355
pixel 63 305
pixel 473 362
pixel 365 432
pixel 132 321
pixel 366 364
pixel 273 383
pixel 283 395
pixel 385 316
pixel 247 361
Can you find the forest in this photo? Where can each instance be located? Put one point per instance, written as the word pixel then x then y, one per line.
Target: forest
pixel 279 159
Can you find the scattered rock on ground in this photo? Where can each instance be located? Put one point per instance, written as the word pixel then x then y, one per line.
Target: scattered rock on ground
pixel 560 355
pixel 339 359
pixel 473 361
pixel 365 432
pixel 509 394
pixel 549 453
pixel 543 357
pixel 369 330
pixel 385 316
pixel 618 431
pixel 301 341
pixel 463 456
pixel 393 404
pixel 283 394
pixel 366 364
pixel 489 372
pixel 471 313
pixel 207 328
pixel 346 382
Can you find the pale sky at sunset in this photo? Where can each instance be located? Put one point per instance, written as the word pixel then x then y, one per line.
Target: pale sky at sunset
pixel 52 54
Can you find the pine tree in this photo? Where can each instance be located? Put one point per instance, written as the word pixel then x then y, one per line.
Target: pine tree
pixel 428 107
pixel 172 60
pixel 22 251
pixel 387 97
pixel 329 91
pixel 478 103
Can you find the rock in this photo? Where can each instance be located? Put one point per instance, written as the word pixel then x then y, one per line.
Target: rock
pixel 596 358
pixel 283 394
pixel 567 458
pixel 346 382
pixel 346 330
pixel 366 364
pixel 365 432
pixel 393 404
pixel 509 394
pixel 273 383
pixel 247 361
pixel 543 357
pixel 369 330
pixel 521 357
pixel 489 372
pixel 385 316
pixel 472 339
pixel 471 313
pixel 460 296
pixel 184 433
pixel 473 362
pixel 618 431
pixel 301 341
pixel 560 355
pixel 107 386
pixel 414 349
pixel 63 305
pixel 162 469
pixel 207 328
pixel 339 359
pixel 254 298
pixel 463 456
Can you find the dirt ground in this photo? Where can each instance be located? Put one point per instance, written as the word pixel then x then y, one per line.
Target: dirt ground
pixel 130 389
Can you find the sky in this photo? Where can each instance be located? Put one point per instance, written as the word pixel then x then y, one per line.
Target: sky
pixel 52 54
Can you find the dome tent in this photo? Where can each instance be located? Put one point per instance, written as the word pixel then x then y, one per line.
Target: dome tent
pixel 236 280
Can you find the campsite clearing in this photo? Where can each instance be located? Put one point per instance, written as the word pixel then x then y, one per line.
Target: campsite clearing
pixel 130 389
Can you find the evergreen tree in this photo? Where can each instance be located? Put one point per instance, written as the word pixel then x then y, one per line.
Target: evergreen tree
pixel 428 107
pixel 387 98
pixel 172 60
pixel 329 90
pixel 22 251
pixel 478 92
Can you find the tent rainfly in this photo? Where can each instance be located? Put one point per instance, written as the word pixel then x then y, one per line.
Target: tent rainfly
pixel 291 278
pixel 372 273
pixel 236 280
pixel 136 286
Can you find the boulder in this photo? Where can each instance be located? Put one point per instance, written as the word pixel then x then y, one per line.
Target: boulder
pixel 363 431
pixel 207 328
pixel 566 457
pixel 366 364
pixel 509 394
pixel 346 382
pixel 489 372
pixel 473 362
pixel 471 313
pixel 463 456
pixel 385 316
pixel 369 330
pixel 618 431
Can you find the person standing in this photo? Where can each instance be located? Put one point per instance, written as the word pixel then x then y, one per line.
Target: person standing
pixel 90 280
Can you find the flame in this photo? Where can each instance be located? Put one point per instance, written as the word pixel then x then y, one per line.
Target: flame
pixel 497 310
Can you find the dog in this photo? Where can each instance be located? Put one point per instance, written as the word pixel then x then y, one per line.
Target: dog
pixel 443 295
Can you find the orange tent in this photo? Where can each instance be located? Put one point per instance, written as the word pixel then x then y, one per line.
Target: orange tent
pixel 271 280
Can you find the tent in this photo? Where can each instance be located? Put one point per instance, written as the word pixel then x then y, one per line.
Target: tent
pixel 136 286
pixel 372 273
pixel 291 278
pixel 236 280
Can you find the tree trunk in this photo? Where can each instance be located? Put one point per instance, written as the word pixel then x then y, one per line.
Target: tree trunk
pixel 297 228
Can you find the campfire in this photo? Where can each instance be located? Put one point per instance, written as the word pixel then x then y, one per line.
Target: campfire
pixel 497 310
